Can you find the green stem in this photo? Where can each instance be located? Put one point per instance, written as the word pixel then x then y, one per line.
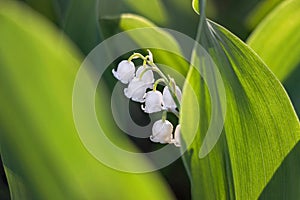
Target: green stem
pixel 161 74
pixel 175 113
pixel 202 5
pixel 157 82
pixel 164 116
pixel 176 100
pixel 135 56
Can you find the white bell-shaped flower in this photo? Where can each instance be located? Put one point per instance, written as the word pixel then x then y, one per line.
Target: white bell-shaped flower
pixel 147 77
pixel 125 71
pixel 177 134
pixel 162 132
pixel 136 90
pixel 168 100
pixel 153 102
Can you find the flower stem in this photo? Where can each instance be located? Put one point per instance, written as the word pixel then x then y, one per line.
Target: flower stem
pixel 135 56
pixel 157 82
pixel 167 81
pixel 164 116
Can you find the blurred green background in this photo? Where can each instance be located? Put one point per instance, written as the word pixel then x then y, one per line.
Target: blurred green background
pixel 89 22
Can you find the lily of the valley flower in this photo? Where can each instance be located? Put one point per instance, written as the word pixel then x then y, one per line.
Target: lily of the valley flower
pixel 125 71
pixel 176 139
pixel 168 100
pixel 153 102
pixel 162 132
pixel 136 89
pixel 147 77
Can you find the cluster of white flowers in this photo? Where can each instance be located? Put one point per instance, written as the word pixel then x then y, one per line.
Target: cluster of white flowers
pixel 142 88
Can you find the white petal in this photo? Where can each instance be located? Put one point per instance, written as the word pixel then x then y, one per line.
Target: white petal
pixel 147 77
pixel 153 102
pixel 178 93
pixel 125 71
pixel 168 100
pixel 162 132
pixel 116 75
pixel 138 94
pixel 177 134
pixel 136 90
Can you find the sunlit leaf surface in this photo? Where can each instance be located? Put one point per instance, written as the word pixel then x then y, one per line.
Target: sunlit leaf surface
pixel 276 40
pixel 260 128
pixel 261 10
pixel 155 36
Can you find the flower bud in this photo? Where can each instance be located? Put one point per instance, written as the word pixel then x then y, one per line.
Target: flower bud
pixel 168 100
pixel 136 90
pixel 177 134
pixel 153 102
pixel 150 55
pixel 162 132
pixel 125 71
pixel 147 77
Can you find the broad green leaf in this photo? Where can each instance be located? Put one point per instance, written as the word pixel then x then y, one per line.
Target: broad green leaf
pixel 157 36
pixel 79 20
pixel 276 40
pixel 285 183
pixel 171 14
pixel 153 37
pixel 41 151
pixel 260 11
pixel 155 9
pixel 280 30
pixel 45 7
pixel 260 128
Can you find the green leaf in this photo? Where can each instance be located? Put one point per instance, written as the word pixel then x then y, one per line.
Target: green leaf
pixel 78 19
pixel 153 37
pixel 80 23
pixel 155 10
pixel 45 7
pixel 259 12
pixel 280 30
pixel 276 41
pixel 285 183
pixel 260 128
pixel 195 5
pixel 41 151
pixel 165 13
